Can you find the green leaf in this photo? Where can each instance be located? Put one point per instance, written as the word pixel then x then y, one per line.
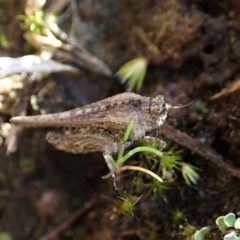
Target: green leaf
pixel 133 73
pixel 189 173
pixel 200 234
pixel 231 236
pixel 221 224
pixel 237 224
pixel 230 219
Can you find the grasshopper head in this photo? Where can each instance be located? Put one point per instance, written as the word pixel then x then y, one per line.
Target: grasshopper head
pixel 159 110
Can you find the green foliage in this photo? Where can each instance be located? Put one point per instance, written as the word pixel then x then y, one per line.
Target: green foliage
pixel 191 233
pixel 147 149
pixel 170 159
pixel 5 236
pixel 3 39
pixel 34 102
pixel 34 22
pixel 125 138
pixel 122 158
pixel 188 231
pixel 201 106
pixel 37 22
pixel 237 223
pixel 165 166
pixel 133 73
pixel 226 222
pixel 127 205
pixel 200 234
pixel 231 236
pixel 156 188
pixel 230 219
pixel 189 173
pixel 178 216
pixel 221 224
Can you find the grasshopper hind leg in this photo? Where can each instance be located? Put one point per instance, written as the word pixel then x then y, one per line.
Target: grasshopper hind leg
pixel 88 140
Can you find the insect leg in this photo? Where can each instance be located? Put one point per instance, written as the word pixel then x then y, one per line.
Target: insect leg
pixel 111 148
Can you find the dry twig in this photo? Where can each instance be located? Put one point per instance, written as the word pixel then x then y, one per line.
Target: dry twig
pixel 194 145
pixel 65 225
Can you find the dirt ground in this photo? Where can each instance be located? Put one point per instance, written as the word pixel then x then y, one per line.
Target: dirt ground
pixel 193 52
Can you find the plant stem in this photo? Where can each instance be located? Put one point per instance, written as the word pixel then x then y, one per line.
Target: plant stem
pixel 136 168
pixel 125 138
pixel 139 149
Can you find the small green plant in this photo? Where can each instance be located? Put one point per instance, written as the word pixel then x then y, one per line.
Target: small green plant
pixel 226 222
pixel 168 161
pixel 189 173
pixel 188 231
pixel 34 22
pixel 191 233
pixel 231 236
pixel 133 73
pixel 237 223
pixel 38 23
pixel 123 158
pixel 127 205
pixel 200 234
pixel 161 168
pixel 3 39
pixel 178 216
pixel 201 106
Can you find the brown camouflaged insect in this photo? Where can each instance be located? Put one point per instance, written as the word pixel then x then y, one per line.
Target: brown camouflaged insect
pixel 100 126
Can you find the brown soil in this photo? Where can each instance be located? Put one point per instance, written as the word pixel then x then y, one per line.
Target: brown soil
pixel 193 51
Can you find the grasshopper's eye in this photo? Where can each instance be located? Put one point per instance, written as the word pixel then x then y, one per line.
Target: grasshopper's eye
pixel 155 108
pixel 157 105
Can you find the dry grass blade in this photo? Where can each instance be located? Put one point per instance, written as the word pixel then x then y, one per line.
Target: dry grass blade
pixel 227 91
